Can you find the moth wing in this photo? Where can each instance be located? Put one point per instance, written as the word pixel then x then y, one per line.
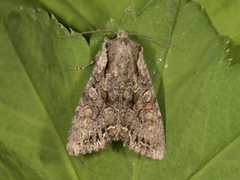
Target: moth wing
pixel 90 129
pixel 143 131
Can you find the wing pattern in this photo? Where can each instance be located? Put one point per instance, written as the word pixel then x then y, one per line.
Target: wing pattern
pixel 118 102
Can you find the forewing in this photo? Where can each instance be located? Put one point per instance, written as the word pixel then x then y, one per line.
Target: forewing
pixel 142 126
pixel 91 127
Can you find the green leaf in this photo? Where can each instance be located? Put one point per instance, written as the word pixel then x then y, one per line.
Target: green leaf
pixel 81 15
pixel 197 89
pixel 224 15
pixel 226 25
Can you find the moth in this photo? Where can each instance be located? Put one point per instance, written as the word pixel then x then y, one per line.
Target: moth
pixel 118 102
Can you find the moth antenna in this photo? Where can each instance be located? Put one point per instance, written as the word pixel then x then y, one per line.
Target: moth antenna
pixel 89 32
pixel 136 34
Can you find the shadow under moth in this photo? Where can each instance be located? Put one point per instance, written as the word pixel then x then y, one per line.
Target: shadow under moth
pixel 118 102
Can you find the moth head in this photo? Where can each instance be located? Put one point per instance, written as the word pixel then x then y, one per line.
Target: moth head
pixel 122 34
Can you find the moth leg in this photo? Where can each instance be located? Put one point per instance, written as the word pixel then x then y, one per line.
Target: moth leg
pixel 80 68
pixel 90 63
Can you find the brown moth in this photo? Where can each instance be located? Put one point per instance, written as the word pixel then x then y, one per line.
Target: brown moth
pixel 118 102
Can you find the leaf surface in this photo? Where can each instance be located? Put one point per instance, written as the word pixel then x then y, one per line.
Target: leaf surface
pixel 197 89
